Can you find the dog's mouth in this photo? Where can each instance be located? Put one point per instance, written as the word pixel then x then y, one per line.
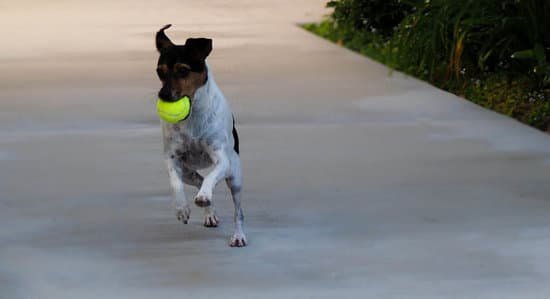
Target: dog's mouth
pixel 173 96
pixel 176 97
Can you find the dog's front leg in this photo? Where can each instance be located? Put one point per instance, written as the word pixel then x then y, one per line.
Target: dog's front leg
pixel 180 202
pixel 193 178
pixel 221 166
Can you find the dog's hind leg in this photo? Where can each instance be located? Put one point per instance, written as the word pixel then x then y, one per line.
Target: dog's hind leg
pixel 180 202
pixel 235 183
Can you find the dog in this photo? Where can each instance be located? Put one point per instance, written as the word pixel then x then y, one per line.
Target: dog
pixel 206 138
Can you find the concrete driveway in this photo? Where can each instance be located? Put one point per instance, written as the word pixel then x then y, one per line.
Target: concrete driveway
pixel 359 183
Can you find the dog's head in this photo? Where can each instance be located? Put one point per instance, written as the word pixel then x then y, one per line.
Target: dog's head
pixel 181 68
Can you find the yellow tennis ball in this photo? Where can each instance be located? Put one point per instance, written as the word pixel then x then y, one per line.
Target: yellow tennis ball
pixel 174 112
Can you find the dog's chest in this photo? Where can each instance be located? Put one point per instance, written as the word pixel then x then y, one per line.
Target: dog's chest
pixel 190 150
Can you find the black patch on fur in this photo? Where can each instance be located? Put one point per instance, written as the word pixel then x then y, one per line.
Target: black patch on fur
pixel 162 41
pixel 198 48
pixel 235 137
pixel 192 54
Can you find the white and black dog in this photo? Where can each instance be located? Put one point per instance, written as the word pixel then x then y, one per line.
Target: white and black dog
pixel 206 138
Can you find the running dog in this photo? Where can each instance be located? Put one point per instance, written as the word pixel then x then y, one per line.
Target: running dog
pixel 206 138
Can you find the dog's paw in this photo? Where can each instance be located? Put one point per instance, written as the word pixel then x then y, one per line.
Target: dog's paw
pixel 238 240
pixel 183 214
pixel 210 220
pixel 202 200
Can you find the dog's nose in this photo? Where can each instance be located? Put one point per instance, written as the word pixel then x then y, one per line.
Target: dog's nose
pixel 165 94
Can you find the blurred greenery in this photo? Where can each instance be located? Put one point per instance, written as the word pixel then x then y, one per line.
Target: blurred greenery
pixel 495 53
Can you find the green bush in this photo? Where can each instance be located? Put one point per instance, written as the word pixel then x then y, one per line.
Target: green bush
pixel 446 38
pixel 379 16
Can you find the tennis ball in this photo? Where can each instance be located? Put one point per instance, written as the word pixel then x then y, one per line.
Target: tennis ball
pixel 173 112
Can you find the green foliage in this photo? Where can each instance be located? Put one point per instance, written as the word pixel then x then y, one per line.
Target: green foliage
pixel 496 53
pixel 475 36
pixel 378 16
pixel 517 98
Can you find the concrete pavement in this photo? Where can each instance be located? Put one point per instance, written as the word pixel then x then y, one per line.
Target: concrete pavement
pixel 359 182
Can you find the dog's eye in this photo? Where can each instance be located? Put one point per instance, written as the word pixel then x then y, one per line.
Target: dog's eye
pixel 162 71
pixel 181 69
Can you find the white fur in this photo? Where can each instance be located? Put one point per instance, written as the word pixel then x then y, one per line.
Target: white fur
pixel 203 140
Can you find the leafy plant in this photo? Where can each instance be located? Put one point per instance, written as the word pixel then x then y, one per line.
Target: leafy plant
pixel 476 36
pixel 380 16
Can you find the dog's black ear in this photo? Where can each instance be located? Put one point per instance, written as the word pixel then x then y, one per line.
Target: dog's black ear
pixel 162 41
pixel 199 48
